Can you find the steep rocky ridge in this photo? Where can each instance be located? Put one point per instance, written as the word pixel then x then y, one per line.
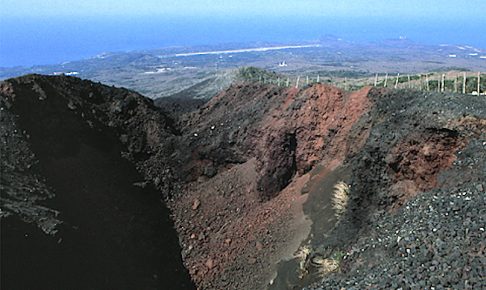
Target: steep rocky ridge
pixel 102 225
pixel 249 176
pixel 389 146
pixel 419 185
pixel 253 147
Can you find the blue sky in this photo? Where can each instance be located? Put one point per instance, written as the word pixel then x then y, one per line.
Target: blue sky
pixel 451 9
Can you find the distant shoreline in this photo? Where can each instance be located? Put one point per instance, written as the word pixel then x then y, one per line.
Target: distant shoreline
pixel 257 49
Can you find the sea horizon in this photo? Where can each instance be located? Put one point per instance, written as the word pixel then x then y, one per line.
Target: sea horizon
pixel 40 41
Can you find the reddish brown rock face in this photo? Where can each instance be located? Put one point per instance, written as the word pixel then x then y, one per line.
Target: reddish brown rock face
pixel 288 131
pixel 237 172
pixel 259 141
pixel 248 177
pixel 306 128
pixel 416 162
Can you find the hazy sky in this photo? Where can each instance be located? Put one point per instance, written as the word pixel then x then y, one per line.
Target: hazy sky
pixel 53 31
pixel 452 9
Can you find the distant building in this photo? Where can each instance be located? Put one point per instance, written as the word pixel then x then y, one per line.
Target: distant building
pixel 71 73
pixel 282 64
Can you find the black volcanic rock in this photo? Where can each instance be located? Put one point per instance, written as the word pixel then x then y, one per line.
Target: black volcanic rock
pixel 70 151
pixel 89 165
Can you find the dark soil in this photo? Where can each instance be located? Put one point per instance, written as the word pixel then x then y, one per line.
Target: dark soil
pixel 417 191
pixel 105 228
pixel 248 177
pixel 175 106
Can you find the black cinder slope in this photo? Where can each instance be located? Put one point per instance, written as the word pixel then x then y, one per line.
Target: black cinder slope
pixel 75 213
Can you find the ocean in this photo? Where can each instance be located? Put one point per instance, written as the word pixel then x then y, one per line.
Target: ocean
pixel 39 41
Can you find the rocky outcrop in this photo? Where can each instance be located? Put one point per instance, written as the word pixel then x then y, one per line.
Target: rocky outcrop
pixel 250 144
pixel 236 170
pixel 69 150
pixel 286 130
pixel 319 119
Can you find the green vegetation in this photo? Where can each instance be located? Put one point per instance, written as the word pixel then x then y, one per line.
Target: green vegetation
pixel 404 79
pixel 256 74
pixel 356 80
pixel 338 256
pixel 450 84
pixel 472 84
pixel 343 74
